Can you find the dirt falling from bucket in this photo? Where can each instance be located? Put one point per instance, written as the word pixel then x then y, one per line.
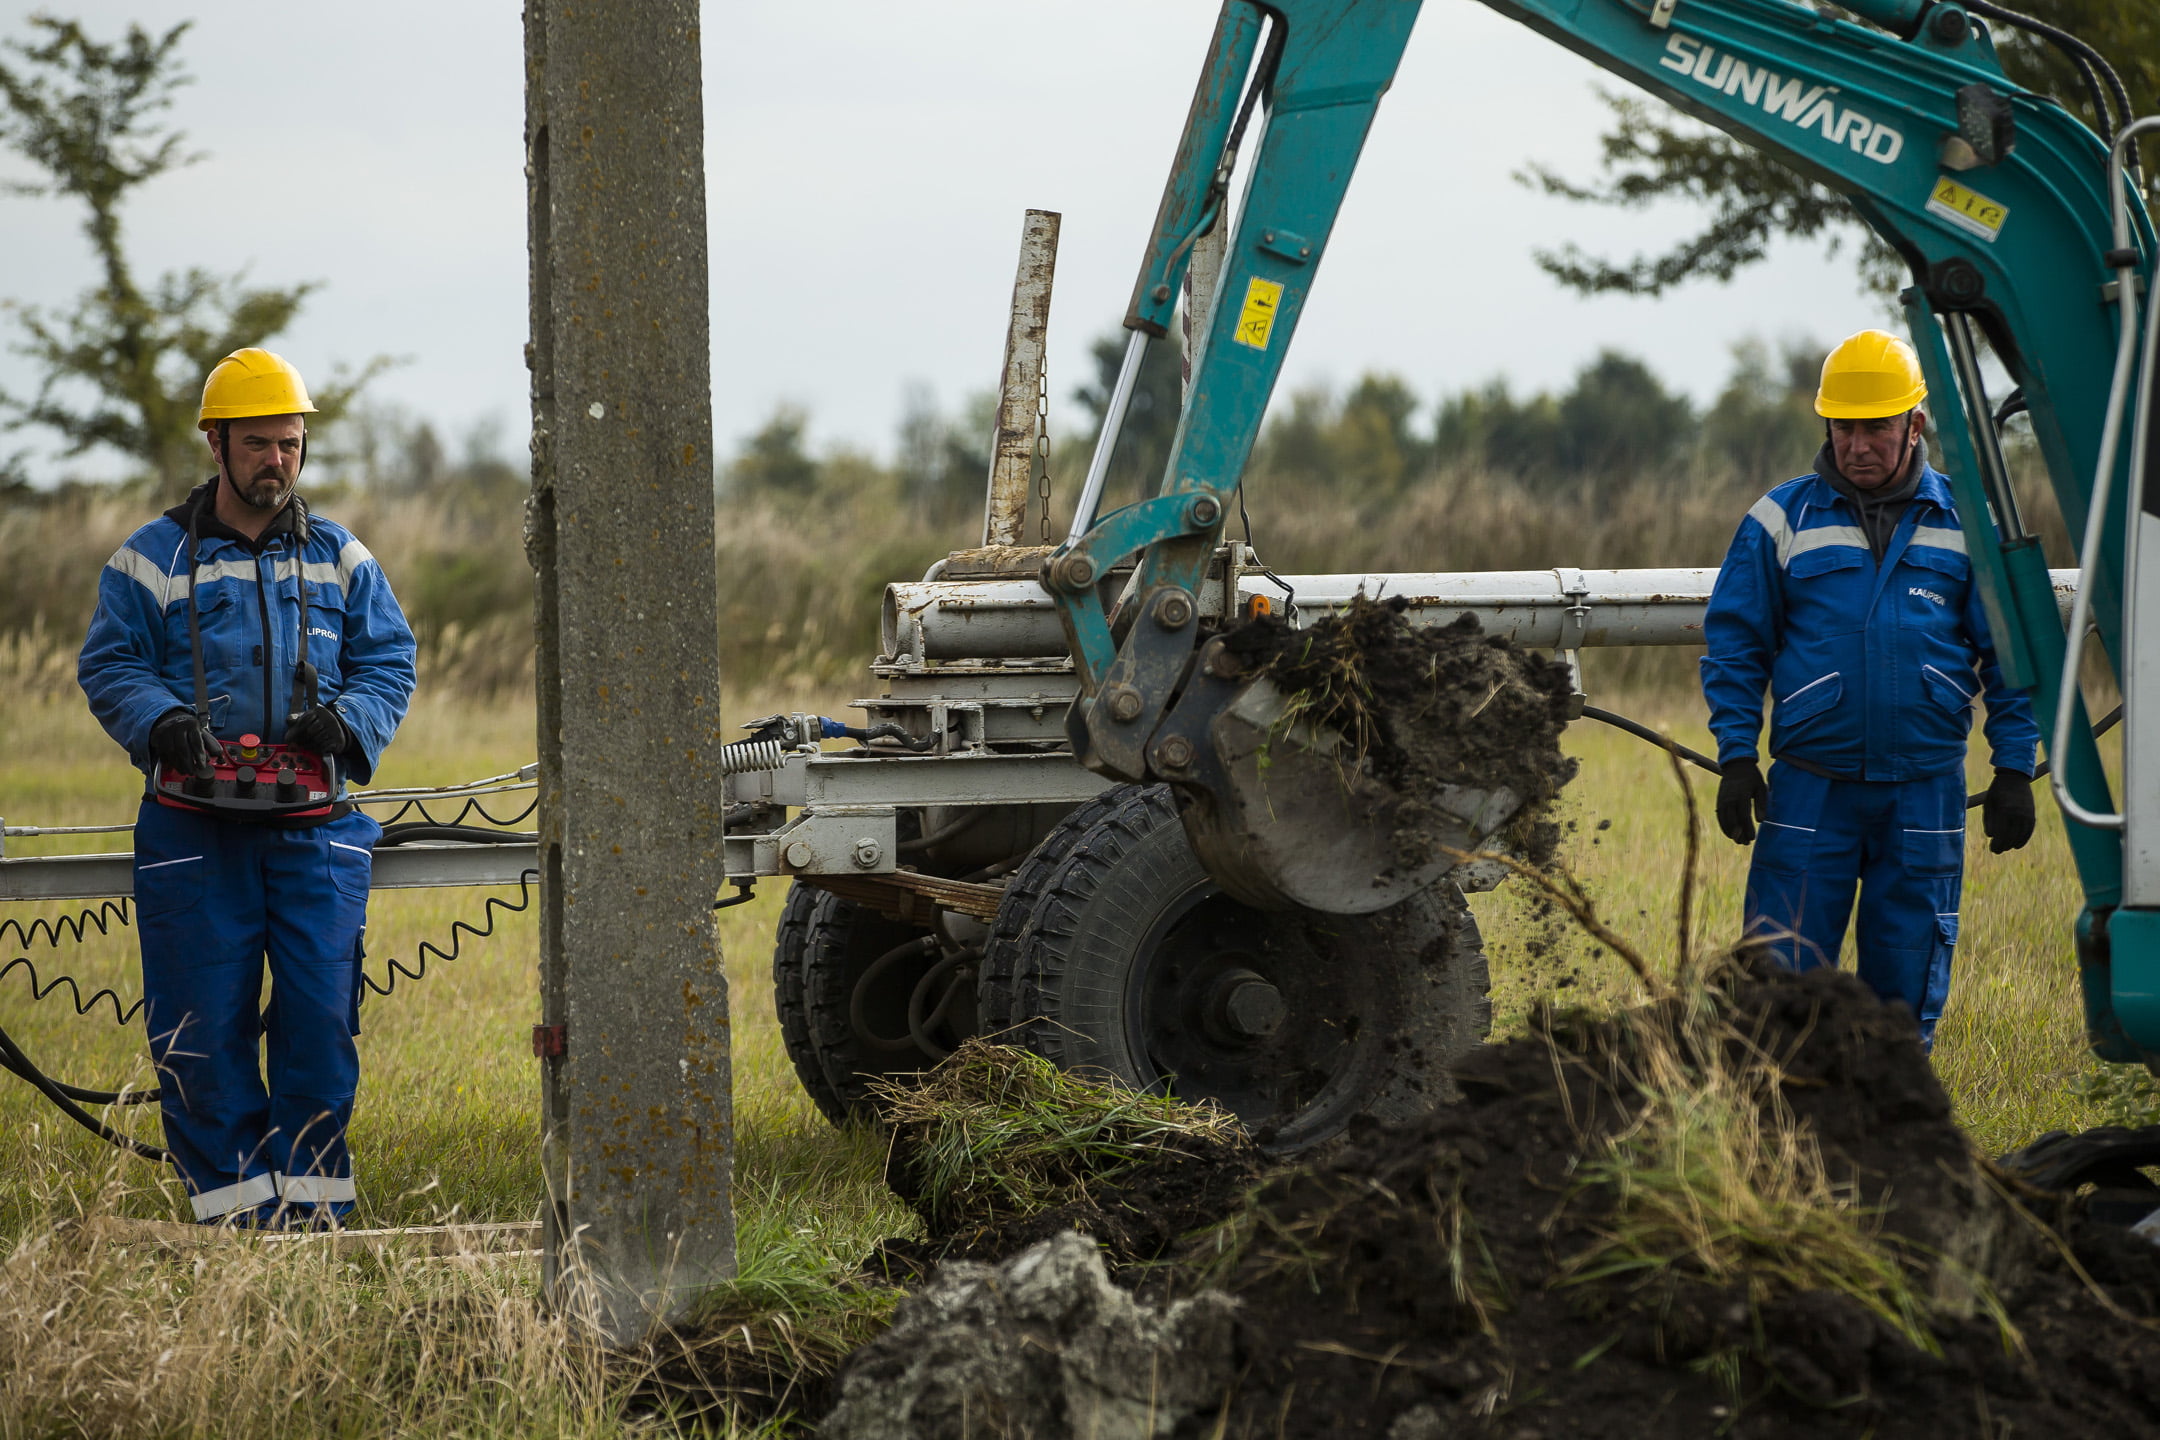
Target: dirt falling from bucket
pixel 1427 706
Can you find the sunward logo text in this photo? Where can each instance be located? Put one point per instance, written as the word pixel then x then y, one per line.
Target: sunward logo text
pixel 1793 99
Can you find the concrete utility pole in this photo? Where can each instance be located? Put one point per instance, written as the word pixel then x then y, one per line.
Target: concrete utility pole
pixel 638 1122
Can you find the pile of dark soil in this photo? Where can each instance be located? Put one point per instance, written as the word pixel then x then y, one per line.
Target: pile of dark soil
pixel 1424 1281
pixel 1437 1279
pixel 1427 706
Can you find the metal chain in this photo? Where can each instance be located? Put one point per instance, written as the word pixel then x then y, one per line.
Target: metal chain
pixel 1042 445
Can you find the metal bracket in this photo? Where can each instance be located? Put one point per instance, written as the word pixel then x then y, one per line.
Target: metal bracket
pixel 1574 630
pixel 1661 14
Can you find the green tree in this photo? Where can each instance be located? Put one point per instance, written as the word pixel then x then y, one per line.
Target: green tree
pixel 1365 445
pixel 1653 153
pixel 123 367
pixel 1151 418
pixel 1763 428
pixel 944 462
pixel 774 460
pixel 1618 419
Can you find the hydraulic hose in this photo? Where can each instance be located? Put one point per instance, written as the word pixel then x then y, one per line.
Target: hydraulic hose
pixel 1701 761
pixel 2124 260
pixel 62 1097
pixel 468 834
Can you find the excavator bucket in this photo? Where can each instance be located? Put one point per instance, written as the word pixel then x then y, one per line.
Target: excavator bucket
pixel 1285 815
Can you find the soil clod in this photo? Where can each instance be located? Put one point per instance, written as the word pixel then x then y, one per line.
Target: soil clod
pixel 1427 706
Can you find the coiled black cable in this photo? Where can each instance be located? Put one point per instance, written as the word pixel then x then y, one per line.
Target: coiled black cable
pixel 100 917
pixel 39 989
pixel 458 930
pixel 469 807
pixel 64 1096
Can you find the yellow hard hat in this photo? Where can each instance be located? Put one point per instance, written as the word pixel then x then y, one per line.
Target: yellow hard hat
pixel 252 382
pixel 1869 377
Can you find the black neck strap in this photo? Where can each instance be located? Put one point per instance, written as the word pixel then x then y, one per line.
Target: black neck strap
pixel 305 689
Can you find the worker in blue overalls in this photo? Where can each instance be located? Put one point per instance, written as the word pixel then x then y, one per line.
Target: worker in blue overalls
pixel 1848 598
pixel 237 618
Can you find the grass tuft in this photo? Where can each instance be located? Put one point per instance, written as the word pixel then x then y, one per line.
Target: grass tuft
pixel 997 1131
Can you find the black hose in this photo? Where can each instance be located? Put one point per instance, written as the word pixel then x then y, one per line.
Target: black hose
pixel 857 1021
pixel 2107 722
pixel 919 1024
pixel 39 989
pixel 13 1059
pixel 1695 757
pixel 1643 732
pixel 468 834
pixel 2093 68
pixel 943 833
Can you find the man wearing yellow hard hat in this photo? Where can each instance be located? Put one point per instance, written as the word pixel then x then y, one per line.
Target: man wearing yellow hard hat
pixel 1848 599
pixel 250 658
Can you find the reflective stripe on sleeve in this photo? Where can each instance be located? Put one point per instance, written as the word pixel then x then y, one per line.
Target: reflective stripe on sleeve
pixel 1767 513
pixel 349 561
pixel 144 571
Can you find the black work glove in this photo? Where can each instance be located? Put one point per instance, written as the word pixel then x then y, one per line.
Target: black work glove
pixel 1742 799
pixel 321 730
pixel 2006 814
pixel 179 741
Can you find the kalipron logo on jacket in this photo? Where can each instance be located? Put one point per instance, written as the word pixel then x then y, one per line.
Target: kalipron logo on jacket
pixel 1789 98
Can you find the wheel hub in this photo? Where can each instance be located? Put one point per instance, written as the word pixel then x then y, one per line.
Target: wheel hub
pixel 1243 1006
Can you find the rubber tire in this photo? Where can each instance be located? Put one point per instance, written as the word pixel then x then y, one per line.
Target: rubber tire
pixel 842 941
pixel 790 959
pixel 1080 974
pixel 994 989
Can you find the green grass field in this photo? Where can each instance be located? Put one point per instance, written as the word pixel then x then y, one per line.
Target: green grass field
pixel 95 1339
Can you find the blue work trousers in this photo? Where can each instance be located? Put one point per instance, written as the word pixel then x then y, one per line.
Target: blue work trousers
pixel 213 898
pixel 1901 844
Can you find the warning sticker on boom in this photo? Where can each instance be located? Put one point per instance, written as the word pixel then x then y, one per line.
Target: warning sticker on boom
pixel 1256 321
pixel 1969 210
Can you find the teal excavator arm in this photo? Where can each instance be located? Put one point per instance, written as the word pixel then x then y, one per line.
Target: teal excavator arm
pixel 2006 208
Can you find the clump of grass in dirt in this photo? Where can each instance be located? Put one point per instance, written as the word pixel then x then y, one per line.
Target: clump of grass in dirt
pixel 1714 1178
pixel 996 1135
pixel 1714 1174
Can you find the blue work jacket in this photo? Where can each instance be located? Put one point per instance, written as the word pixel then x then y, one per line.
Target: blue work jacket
pixel 137 664
pixel 1873 668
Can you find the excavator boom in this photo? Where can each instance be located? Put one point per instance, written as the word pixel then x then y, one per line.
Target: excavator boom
pixel 2021 232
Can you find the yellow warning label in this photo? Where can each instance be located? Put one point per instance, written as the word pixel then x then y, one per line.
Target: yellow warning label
pixel 1256 322
pixel 1969 210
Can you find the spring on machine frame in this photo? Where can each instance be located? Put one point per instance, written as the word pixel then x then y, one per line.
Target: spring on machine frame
pixel 739 757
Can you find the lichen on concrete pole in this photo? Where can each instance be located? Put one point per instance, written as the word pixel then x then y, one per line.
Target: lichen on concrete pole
pixel 638 1122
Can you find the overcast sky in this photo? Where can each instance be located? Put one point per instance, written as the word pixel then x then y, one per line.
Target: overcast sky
pixel 867 168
